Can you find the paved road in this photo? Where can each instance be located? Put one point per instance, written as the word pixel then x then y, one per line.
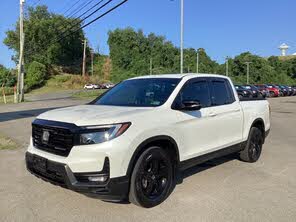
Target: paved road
pixel 221 190
pixel 65 94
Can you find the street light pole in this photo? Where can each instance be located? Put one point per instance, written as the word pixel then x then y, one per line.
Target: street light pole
pixel 227 66
pixel 182 36
pixel 197 61
pixel 248 71
pixel 151 65
pixel 92 62
pixel 20 76
pixel 84 58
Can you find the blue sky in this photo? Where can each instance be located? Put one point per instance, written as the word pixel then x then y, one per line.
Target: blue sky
pixel 222 27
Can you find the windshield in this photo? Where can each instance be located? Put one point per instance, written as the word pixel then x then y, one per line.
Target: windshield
pixel 150 92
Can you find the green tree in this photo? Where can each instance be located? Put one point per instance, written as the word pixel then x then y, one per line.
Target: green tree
pixel 7 77
pixel 131 52
pixel 42 31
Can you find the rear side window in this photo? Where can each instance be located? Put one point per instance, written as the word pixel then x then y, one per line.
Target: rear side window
pixel 197 91
pixel 222 93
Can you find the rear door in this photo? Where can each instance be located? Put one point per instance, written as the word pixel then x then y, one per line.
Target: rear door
pixel 225 113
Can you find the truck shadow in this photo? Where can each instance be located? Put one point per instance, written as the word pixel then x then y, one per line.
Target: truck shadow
pixel 14 115
pixel 192 171
pixel 204 166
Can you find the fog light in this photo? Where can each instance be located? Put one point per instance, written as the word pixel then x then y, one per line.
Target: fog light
pixel 98 178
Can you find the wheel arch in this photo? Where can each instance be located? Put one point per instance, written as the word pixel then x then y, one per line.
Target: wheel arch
pixel 163 141
pixel 259 123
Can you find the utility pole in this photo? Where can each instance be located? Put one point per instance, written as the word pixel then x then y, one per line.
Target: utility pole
pixel 182 36
pixel 20 76
pixel 197 61
pixel 92 62
pixel 151 65
pixel 227 66
pixel 248 71
pixel 84 58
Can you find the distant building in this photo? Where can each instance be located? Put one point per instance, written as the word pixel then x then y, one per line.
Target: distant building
pixel 283 47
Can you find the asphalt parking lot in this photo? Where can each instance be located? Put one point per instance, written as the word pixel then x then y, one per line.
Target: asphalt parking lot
pixel 225 189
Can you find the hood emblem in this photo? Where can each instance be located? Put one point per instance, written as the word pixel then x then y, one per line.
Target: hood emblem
pixel 45 136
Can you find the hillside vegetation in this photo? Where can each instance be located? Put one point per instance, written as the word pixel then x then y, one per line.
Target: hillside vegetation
pixel 47 61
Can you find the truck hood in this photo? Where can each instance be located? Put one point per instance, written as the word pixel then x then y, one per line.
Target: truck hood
pixel 84 115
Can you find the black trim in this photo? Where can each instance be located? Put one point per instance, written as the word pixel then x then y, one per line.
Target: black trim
pixel 252 99
pixel 55 124
pixel 114 189
pixel 183 165
pixel 267 133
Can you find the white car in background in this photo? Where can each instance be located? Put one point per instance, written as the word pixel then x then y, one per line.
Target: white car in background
pixel 108 85
pixel 91 86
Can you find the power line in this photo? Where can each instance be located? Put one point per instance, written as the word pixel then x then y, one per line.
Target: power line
pixel 71 7
pixel 36 3
pixel 79 8
pixel 110 10
pixel 86 17
pixel 89 23
pixel 94 20
pixel 84 13
pixel 63 29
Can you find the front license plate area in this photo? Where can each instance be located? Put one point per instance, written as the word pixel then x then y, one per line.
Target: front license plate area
pixel 40 164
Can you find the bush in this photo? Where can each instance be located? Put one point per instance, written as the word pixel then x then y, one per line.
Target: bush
pixel 7 77
pixel 36 75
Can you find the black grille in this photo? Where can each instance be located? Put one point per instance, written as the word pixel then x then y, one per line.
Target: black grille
pixel 60 141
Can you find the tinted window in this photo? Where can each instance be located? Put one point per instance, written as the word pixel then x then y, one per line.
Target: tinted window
pixel 221 93
pixel 148 92
pixel 197 91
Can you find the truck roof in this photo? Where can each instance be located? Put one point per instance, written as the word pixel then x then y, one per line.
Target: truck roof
pixel 179 76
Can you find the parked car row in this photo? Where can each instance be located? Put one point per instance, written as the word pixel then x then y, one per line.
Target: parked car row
pixel 99 86
pixel 264 90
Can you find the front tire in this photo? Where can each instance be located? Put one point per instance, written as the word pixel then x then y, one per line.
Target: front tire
pixel 252 151
pixel 152 178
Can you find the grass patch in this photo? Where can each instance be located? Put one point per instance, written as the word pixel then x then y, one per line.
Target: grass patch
pixel 60 83
pixel 88 94
pixel 7 143
pixel 9 99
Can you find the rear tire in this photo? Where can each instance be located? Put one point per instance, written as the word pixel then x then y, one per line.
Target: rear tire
pixel 152 178
pixel 252 151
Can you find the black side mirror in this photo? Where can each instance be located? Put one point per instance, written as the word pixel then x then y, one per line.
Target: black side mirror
pixel 190 105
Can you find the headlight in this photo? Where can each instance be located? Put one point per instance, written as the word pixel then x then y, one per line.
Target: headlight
pixel 245 92
pixel 100 134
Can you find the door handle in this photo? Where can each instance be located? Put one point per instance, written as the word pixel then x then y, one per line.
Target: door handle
pixel 212 114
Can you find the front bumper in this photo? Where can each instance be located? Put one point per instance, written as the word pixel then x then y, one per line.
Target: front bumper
pixel 114 189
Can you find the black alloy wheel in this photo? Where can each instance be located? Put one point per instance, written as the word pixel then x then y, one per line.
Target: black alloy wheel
pixel 253 149
pixel 152 178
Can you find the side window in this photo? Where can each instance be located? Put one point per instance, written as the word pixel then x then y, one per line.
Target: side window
pixel 221 94
pixel 198 91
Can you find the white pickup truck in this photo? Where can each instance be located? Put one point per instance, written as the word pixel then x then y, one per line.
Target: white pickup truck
pixel 130 142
